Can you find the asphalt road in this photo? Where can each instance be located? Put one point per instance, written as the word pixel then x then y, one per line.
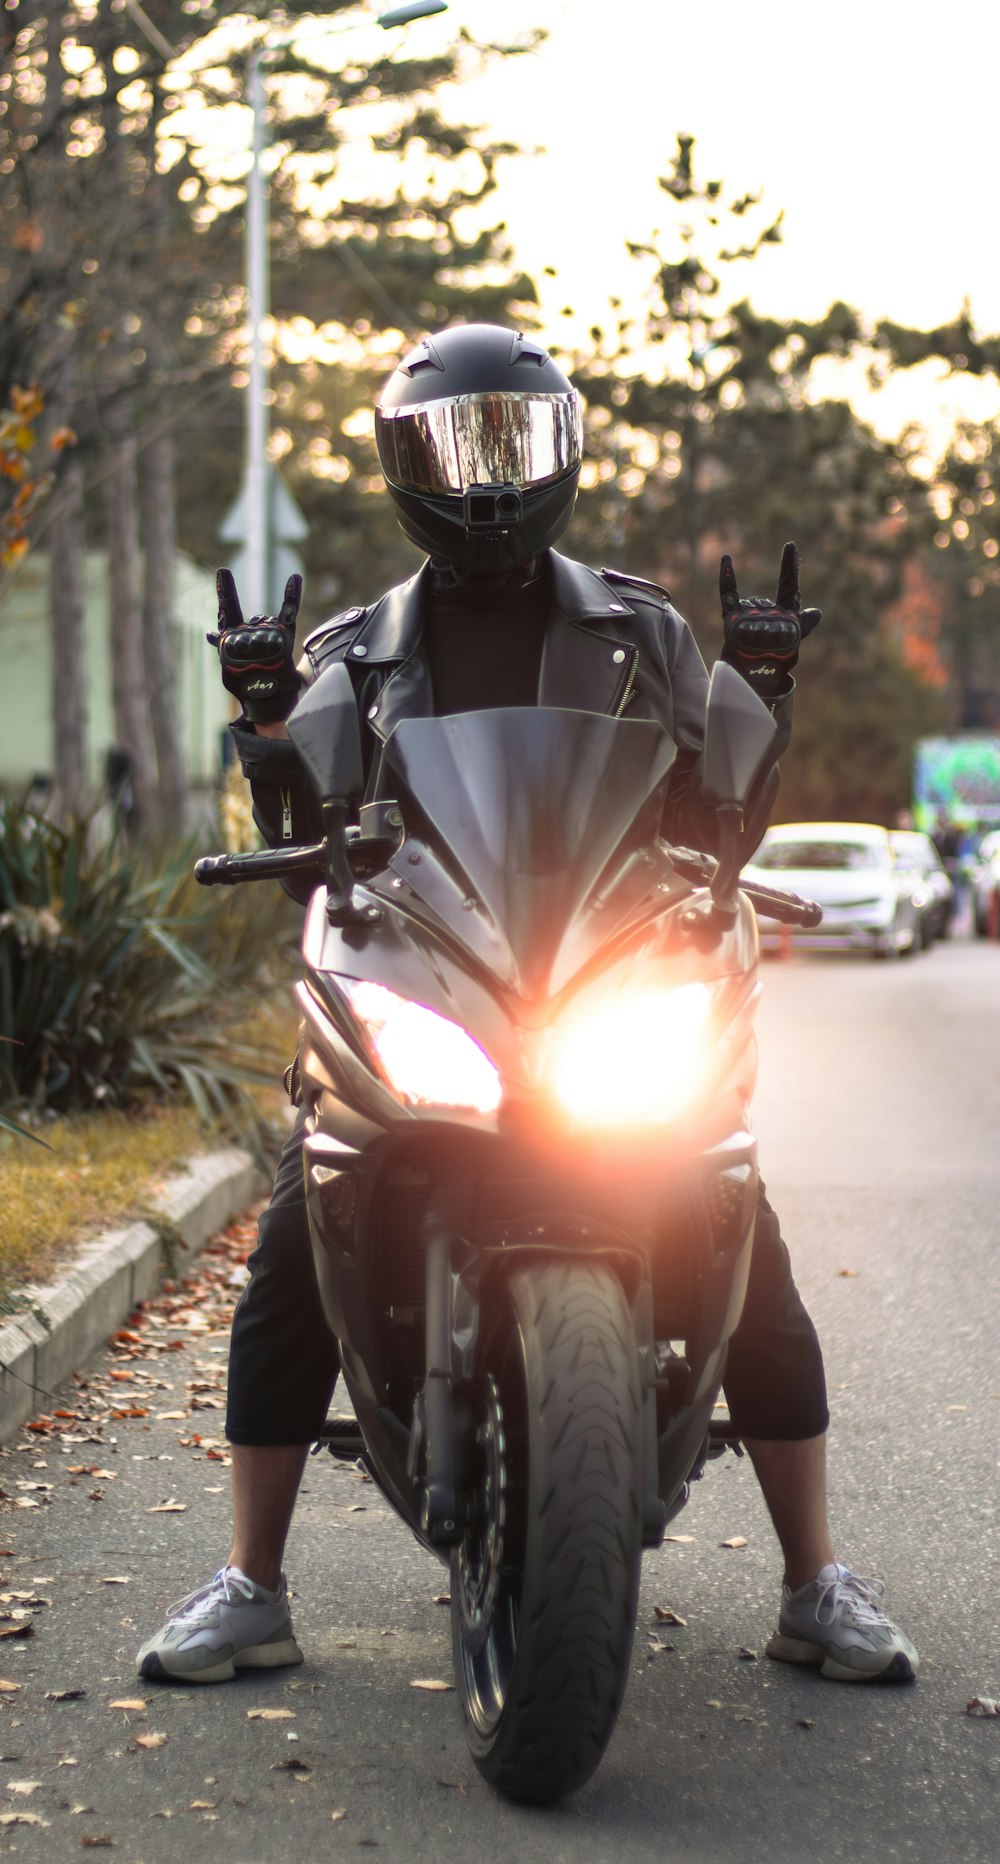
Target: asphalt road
pixel 880 1136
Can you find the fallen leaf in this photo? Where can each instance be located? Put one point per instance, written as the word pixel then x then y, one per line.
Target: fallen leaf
pixel 7 1687
pixel 714 1703
pixel 64 1695
pixel 163 1417
pixel 341 1813
pixel 948 1407
pixel 169 1508
pixel 442 1598
pixel 203 1805
pixel 846 1274
pixel 667 1617
pixel 982 1705
pixel 270 1715
pixel 18 1630
pixel 430 1682
pixel 151 1741
pixel 457 1786
pixel 290 1766
pixel 103 1841
pixel 805 1721
pixel 23 1786
pixel 348 1643
pixel 681 1540
pixel 131 1702
pixel 738 1540
pixel 747 1655
pixel 116 1579
pixel 22 1818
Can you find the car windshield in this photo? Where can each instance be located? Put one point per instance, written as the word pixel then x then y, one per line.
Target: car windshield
pixel 820 856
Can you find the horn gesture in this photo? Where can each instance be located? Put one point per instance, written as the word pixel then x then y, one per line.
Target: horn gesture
pixel 761 637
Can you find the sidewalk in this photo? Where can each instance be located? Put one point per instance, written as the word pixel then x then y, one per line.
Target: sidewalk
pixel 70 1318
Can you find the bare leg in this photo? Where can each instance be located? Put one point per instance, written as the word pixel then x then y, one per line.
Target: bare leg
pixel 792 1476
pixel 265 1485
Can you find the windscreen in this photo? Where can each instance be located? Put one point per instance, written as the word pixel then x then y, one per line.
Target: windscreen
pixel 820 856
pixel 530 830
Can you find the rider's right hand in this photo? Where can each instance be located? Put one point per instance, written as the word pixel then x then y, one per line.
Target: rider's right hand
pixel 258 656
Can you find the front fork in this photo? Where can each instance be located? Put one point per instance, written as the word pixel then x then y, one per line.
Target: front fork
pixel 441 1436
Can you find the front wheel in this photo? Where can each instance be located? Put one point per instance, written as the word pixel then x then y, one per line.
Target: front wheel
pixel 545 1584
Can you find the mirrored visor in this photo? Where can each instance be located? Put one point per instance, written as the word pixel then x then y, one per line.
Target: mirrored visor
pixel 492 439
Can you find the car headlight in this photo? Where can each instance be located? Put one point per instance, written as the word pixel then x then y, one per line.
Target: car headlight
pixel 428 1060
pixel 638 1060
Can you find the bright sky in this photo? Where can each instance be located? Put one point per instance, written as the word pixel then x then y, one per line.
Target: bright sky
pixel 873 125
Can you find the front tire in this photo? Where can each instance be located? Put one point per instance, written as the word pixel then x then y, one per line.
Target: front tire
pixel 544 1587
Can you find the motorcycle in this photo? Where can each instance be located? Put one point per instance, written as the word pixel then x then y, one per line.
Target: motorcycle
pixel 526 1059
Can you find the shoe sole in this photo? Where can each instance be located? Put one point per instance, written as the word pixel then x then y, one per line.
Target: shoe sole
pixel 899 1669
pixel 255 1657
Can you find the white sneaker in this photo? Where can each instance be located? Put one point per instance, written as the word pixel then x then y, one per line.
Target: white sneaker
pixel 837 1621
pixel 229 1625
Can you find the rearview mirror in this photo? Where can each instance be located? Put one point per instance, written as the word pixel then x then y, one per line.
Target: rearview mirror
pixel 739 732
pixel 325 731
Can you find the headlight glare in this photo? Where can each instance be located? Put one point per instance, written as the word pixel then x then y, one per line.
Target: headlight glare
pixel 639 1059
pixel 428 1060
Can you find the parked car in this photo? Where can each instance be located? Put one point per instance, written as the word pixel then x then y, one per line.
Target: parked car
pixel 850 869
pixel 930 882
pixel 985 882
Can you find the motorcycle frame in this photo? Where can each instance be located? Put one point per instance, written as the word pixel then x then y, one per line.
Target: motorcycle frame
pixel 703 1171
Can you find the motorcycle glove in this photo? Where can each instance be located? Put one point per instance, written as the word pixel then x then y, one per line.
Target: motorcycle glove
pixel 258 656
pixel 761 638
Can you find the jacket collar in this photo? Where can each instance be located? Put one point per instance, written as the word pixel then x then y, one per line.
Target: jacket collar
pixel 584 666
pixel 395 624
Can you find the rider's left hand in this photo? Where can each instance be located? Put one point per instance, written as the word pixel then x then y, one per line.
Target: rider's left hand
pixel 761 637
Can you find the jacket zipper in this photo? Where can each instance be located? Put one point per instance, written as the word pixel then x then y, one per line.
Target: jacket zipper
pixel 286 815
pixel 629 683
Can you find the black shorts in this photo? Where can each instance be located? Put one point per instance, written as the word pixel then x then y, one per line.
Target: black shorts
pixel 283 1361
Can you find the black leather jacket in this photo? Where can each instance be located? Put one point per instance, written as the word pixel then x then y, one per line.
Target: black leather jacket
pixel 613 643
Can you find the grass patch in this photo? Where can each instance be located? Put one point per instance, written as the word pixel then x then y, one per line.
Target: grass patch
pixel 106 1167
pixel 103 1168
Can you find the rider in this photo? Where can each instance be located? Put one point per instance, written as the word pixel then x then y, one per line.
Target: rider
pixel 480 439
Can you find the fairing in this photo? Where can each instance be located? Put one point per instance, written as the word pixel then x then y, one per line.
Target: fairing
pixel 531 833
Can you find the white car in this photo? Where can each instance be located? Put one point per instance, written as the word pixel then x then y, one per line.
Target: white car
pixel 850 869
pixel 933 893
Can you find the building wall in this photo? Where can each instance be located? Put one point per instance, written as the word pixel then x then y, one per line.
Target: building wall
pixel 203 705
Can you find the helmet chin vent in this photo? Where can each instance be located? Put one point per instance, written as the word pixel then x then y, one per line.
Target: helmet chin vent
pixel 492 507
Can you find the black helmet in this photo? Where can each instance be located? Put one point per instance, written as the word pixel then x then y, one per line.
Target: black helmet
pixel 480 436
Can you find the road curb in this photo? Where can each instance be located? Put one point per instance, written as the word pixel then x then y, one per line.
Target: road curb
pixel 66 1320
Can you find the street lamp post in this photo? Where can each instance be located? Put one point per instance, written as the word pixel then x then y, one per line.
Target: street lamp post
pixel 257 498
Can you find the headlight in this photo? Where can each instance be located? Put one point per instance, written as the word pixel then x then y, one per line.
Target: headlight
pixel 427 1059
pixel 638 1060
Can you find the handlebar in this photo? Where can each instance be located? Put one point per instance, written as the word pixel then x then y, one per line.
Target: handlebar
pixel 229 870
pixel 788 907
pixel 772 904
